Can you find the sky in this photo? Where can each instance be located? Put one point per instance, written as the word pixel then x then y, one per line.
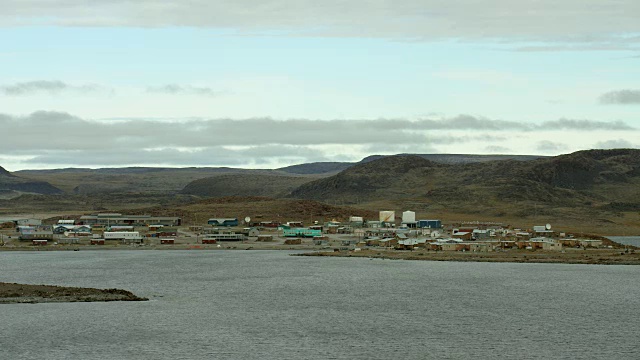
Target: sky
pixel 270 83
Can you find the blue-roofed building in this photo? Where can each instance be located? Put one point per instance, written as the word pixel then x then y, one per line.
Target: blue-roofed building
pixel 223 222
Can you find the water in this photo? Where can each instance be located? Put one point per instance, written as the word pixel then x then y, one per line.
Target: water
pixel 268 305
pixel 626 240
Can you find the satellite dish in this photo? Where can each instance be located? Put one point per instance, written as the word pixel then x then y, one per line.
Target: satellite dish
pixel 548 226
pixel 247 219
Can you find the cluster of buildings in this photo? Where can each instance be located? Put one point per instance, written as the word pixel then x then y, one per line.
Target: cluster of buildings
pixel 99 227
pixel 431 235
pixel 388 231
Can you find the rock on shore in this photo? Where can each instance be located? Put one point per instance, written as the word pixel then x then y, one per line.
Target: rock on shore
pixel 11 293
pixel 570 256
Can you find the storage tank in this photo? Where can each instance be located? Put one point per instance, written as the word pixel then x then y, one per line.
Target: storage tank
pixel 388 217
pixel 409 216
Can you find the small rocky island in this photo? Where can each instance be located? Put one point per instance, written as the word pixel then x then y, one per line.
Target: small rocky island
pixel 11 293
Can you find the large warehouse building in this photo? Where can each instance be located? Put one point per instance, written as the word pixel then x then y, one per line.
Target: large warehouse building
pixel 135 220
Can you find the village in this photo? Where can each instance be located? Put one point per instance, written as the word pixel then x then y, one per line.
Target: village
pixel 388 232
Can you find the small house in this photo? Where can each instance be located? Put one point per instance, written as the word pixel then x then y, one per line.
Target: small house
pixel 462 235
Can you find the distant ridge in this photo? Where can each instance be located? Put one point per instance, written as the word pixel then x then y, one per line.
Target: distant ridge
pixel 4 172
pixel 581 180
pixel 10 182
pixel 463 158
pixel 366 180
pixel 317 167
pixel 244 185
pixel 329 167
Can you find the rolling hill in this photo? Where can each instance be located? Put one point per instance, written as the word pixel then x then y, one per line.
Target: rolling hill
pixel 594 189
pixel 577 184
pixel 317 168
pixel 162 180
pixel 131 179
pixel 258 209
pixel 245 185
pixel 11 184
pixel 461 158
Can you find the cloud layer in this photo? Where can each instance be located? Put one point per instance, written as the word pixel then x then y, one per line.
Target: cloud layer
pixel 59 138
pixel 45 87
pixel 175 89
pixel 56 87
pixel 621 97
pixel 580 21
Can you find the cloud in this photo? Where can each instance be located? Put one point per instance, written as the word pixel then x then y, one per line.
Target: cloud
pixel 621 97
pixel 47 137
pixel 175 89
pixel 547 146
pixel 585 21
pixel 496 149
pixel 472 122
pixel 584 125
pixel 615 144
pixel 468 122
pixel 593 45
pixel 260 131
pixel 214 155
pixel 47 87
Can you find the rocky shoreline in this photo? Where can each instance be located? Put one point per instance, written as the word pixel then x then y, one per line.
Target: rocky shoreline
pixel 12 293
pixel 571 256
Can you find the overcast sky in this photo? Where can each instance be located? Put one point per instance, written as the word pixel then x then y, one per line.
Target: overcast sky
pixel 269 83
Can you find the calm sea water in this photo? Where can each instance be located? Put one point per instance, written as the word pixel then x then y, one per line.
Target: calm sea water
pixel 268 305
pixel 626 240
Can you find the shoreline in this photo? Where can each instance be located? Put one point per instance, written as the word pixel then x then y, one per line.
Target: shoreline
pixel 176 247
pixel 614 256
pixel 13 293
pixel 587 257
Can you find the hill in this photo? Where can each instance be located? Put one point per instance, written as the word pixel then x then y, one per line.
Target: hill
pixel 245 185
pixel 333 167
pixel 5 173
pixel 162 180
pixel 601 184
pixel 10 183
pixel 598 190
pixel 317 168
pixel 462 158
pixel 259 208
pixel 132 179
pixel 367 181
